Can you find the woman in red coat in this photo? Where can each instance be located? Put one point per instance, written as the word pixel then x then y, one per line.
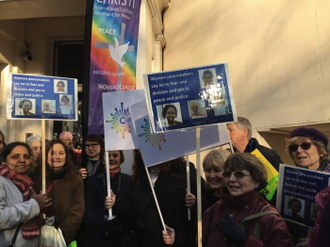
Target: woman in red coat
pixel 225 224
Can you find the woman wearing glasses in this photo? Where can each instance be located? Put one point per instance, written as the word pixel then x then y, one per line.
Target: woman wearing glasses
pixel 93 156
pixel 227 223
pixel 308 148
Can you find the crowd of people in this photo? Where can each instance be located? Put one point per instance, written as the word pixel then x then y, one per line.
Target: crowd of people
pixel 234 211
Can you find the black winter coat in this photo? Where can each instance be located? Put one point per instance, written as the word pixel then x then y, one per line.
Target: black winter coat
pixel 99 231
pixel 170 190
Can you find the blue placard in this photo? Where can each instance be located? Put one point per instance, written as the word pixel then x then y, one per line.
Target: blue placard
pixel 42 97
pixel 189 97
pixel 301 186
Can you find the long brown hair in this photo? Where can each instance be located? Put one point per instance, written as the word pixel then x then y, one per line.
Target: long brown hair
pixel 71 170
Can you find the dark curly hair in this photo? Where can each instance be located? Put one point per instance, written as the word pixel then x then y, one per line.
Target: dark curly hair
pixel 66 97
pixel 23 102
pixel 166 107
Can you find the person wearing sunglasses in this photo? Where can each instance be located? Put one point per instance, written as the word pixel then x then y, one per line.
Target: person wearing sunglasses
pixel 307 147
pixel 226 223
pixel 93 156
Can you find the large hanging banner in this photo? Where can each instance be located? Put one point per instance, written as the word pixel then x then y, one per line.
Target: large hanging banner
pixel 113 52
pixel 189 97
pixel 117 119
pixel 296 193
pixel 42 97
pixel 157 148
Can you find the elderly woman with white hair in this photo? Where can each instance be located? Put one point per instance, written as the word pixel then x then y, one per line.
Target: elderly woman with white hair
pixel 35 144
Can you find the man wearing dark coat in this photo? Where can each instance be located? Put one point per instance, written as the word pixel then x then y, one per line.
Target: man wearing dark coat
pixel 240 134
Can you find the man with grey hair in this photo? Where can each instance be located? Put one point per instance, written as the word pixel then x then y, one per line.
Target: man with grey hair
pixel 240 134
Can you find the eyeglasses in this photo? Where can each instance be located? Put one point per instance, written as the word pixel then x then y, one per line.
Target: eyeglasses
pixel 236 174
pixel 304 146
pixel 93 145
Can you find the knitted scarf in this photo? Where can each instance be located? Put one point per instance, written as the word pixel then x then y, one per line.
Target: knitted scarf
pixel 113 173
pixel 23 183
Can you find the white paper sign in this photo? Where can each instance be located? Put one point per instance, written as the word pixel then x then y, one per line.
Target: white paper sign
pixel 160 147
pixel 117 119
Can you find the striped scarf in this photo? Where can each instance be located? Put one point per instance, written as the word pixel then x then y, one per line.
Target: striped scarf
pixel 23 183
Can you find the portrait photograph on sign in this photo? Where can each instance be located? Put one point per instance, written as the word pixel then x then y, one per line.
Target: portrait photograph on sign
pixel 60 86
pixel 190 97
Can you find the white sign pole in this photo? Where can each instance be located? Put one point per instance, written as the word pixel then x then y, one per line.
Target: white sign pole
pixel 199 192
pixel 188 183
pixel 43 155
pixel 108 181
pixel 154 194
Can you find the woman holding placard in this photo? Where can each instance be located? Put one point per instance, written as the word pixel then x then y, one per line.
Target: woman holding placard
pixel 242 217
pixel 100 230
pixel 65 186
pixel 213 169
pixel 169 182
pixel 20 207
pixel 308 149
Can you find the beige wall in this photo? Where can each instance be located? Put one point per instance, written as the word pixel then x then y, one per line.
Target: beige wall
pixel 278 53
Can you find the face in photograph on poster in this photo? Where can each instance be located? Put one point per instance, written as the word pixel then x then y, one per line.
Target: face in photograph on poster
pixel 170 114
pixel 60 86
pixel 294 208
pixel 65 104
pixel 197 109
pixel 214 92
pixel 48 106
pixel 189 97
pixel 207 77
pixel 25 107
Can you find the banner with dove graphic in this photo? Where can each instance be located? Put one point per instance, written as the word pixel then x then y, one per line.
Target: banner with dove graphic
pixel 113 47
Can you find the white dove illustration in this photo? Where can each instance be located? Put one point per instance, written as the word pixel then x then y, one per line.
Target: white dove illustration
pixel 117 52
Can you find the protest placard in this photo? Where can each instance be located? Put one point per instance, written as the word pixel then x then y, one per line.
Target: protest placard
pixel 42 97
pixel 117 119
pixel 272 174
pixel 189 97
pixel 299 184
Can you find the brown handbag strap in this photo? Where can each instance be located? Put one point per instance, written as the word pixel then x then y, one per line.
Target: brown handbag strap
pixel 260 214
